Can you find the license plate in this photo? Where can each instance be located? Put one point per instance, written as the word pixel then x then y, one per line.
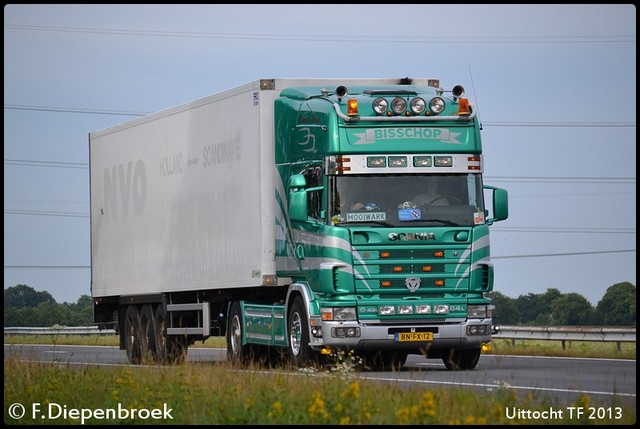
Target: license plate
pixel 414 336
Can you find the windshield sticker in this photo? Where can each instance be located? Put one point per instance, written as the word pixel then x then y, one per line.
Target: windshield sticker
pixel 409 214
pixel 478 218
pixel 366 217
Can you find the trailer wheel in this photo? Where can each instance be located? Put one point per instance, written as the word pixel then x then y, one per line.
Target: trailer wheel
pixel 132 335
pixel 298 328
pixel 170 349
pixel 457 360
pixel 148 347
pixel 237 353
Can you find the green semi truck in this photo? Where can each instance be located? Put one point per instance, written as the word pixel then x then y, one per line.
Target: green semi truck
pixel 306 217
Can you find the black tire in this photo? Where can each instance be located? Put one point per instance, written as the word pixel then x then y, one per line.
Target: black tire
pixel 461 360
pixel 132 335
pixel 300 353
pixel 237 353
pixel 170 349
pixel 148 349
pixel 385 360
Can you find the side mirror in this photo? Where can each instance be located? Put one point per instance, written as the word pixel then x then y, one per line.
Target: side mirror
pixel 297 182
pixel 297 198
pixel 500 199
pixel 500 204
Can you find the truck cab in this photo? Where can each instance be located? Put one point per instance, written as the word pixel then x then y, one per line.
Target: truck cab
pixel 390 229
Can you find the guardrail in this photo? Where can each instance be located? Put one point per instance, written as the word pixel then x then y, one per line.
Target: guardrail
pixel 63 330
pixel 558 333
pixel 566 333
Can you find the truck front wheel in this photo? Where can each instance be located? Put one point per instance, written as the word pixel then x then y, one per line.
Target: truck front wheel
pixel 461 359
pixel 385 360
pixel 298 328
pixel 237 352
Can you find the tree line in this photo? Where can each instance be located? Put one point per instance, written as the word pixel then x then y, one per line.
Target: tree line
pixel 26 307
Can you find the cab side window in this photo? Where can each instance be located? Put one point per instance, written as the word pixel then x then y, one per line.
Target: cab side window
pixel 313 175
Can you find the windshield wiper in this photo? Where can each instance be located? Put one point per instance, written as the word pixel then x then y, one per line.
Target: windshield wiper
pixel 444 221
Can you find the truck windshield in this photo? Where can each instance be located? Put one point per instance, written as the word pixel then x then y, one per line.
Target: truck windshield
pixel 398 200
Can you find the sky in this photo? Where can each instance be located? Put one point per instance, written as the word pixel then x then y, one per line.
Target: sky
pixel 554 87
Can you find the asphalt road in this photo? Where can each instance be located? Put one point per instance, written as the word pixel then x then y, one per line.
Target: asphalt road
pixel 560 380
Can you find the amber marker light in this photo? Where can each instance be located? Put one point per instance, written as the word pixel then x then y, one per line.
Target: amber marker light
pixel 385 254
pixel 426 268
pixel 340 161
pixel 352 107
pixel 385 283
pixel 439 282
pixel 397 269
pixel 463 107
pixel 475 159
pixel 326 314
pixel 438 253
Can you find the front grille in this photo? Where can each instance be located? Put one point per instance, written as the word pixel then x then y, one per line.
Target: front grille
pixel 424 283
pixel 411 321
pixel 411 253
pixel 411 268
pixel 415 295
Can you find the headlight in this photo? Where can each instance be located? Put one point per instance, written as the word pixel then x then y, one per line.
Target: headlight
pixel 338 313
pixel 405 309
pixel 423 309
pixel 418 105
pixel 380 105
pixel 398 105
pixel 436 105
pixel 477 311
pixel 441 309
pixel 386 310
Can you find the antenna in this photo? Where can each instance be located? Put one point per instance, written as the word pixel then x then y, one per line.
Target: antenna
pixel 476 97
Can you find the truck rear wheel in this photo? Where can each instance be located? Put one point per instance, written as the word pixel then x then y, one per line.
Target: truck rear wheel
pixel 170 349
pixel 457 360
pixel 148 335
pixel 237 352
pixel 132 335
pixel 298 328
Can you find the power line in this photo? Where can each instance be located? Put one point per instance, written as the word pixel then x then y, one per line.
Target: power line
pixel 564 254
pixel 33 163
pixel 335 38
pixel 562 124
pixel 600 180
pixel 45 213
pixel 49 266
pixel 590 124
pixel 492 257
pixel 72 110
pixel 562 177
pixel 495 228
pixel 511 179
pixel 566 230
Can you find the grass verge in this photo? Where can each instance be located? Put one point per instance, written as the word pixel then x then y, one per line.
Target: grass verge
pixel 220 394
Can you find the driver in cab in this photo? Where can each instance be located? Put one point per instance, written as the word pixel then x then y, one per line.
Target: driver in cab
pixel 430 196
